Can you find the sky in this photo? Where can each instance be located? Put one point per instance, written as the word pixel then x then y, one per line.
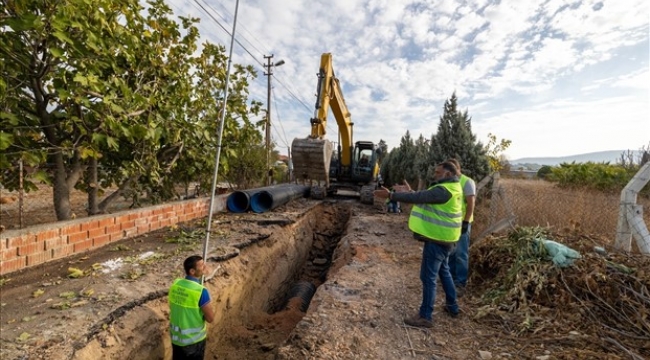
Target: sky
pixel 555 77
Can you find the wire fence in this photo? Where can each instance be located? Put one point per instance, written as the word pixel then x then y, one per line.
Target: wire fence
pixel 23 206
pixel 526 202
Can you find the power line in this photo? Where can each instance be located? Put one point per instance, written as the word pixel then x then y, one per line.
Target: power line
pixel 285 140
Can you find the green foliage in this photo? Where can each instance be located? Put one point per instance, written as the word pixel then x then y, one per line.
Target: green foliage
pixel 455 139
pixel 494 151
pixel 111 81
pixel 544 171
pixel 416 160
pixel 596 176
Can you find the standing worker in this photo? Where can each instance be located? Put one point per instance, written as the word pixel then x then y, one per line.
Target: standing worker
pixel 189 309
pixel 459 259
pixel 436 219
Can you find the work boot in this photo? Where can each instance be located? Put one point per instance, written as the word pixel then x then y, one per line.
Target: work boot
pixel 460 291
pixel 418 321
pixel 450 313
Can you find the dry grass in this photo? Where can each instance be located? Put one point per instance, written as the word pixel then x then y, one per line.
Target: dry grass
pixel 541 203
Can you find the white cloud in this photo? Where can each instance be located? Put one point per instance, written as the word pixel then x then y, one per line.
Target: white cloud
pixel 534 69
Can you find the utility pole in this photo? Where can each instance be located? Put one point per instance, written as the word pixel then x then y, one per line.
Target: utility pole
pixel 269 71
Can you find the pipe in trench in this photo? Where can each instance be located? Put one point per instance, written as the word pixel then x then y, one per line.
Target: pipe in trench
pixel 304 290
pixel 240 201
pixel 271 198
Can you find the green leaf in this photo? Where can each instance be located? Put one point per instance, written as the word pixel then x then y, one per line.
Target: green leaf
pixel 25 22
pixel 62 36
pixel 6 140
pixel 80 79
pixel 112 143
pixel 56 52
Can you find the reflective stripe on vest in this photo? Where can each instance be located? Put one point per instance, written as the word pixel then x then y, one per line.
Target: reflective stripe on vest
pixel 440 221
pixel 187 325
pixel 463 181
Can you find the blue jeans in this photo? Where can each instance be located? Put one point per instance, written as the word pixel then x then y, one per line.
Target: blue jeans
pixel 459 259
pixel 434 263
pixel 393 206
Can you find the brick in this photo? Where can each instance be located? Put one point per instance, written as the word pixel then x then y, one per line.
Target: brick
pixel 90 225
pixel 8 266
pixel 4 244
pixel 83 245
pixel 168 214
pixel 9 254
pixel 78 237
pixel 72 229
pixel 143 229
pixel 56 242
pixel 101 240
pixel 113 229
pixel 35 259
pixel 117 236
pixel 165 222
pixel 48 234
pixel 141 222
pixel 96 232
pixel 106 222
pixel 32 248
pixel 63 251
pixel 157 212
pixel 21 240
pixel 121 219
pixel 127 225
pixel 154 225
pixel 134 216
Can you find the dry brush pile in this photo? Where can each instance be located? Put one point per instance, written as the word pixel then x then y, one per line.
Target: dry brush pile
pixel 598 307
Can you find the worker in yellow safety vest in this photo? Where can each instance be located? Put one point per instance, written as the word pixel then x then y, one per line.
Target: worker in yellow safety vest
pixel 436 219
pixel 189 309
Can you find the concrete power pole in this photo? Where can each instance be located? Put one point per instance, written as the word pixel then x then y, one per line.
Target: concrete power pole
pixel 268 74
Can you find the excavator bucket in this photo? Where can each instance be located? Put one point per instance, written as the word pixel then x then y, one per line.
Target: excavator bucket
pixel 311 159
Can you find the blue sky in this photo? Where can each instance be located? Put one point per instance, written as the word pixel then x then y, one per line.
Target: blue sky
pixel 556 77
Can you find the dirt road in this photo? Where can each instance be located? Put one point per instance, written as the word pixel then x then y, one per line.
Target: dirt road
pixel 364 263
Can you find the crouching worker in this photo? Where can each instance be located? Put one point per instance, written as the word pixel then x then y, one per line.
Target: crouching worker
pixel 392 206
pixel 189 309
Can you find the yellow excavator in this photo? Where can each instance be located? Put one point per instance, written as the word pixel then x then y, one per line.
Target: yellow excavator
pixel 354 166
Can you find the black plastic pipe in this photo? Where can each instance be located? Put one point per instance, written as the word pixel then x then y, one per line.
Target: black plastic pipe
pixel 240 200
pixel 303 290
pixel 271 198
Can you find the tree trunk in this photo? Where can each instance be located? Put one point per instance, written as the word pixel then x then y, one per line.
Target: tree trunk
pixel 117 193
pixel 91 180
pixel 61 191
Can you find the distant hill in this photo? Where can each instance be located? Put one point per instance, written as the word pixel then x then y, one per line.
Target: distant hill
pixel 612 156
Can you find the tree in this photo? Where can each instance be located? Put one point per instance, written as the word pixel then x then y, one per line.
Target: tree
pixel 494 151
pixel 454 138
pixel 106 87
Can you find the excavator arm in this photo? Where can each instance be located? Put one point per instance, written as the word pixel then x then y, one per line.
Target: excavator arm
pixel 312 155
pixel 329 96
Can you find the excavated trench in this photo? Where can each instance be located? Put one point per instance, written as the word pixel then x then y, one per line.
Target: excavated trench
pixel 261 290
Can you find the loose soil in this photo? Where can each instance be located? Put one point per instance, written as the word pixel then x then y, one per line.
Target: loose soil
pixel 117 309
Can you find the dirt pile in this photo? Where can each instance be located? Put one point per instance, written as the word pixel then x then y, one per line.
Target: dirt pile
pixel 600 304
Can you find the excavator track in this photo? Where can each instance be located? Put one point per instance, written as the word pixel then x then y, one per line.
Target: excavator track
pixel 311 159
pixel 367 194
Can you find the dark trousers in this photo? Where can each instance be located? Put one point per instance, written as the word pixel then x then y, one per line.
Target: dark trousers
pixel 189 352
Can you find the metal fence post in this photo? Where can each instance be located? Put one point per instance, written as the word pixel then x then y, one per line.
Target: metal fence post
pixel 21 193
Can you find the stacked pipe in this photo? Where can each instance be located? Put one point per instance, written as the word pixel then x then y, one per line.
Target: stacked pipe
pixel 271 198
pixel 242 200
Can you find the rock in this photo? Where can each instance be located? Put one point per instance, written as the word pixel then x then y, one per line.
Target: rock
pixel 543 357
pixel 485 355
pixel 320 261
pixel 268 347
pixel 440 342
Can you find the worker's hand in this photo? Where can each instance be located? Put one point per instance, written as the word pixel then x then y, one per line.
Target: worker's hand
pixel 464 228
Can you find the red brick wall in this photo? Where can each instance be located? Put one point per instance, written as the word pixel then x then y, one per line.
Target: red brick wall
pixel 20 249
